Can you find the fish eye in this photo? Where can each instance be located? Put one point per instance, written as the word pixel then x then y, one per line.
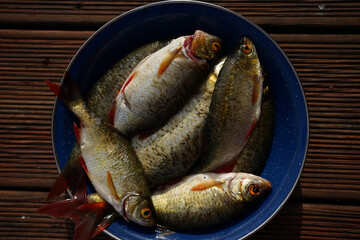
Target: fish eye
pixel 246 48
pixel 145 213
pixel 215 46
pixel 254 190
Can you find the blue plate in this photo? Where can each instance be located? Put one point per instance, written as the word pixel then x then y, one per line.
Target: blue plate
pixel 171 19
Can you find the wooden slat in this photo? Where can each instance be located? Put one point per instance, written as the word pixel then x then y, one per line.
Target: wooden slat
pixel 96 13
pixel 26 106
pixel 294 221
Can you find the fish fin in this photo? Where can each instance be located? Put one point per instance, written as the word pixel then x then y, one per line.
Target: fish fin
pixel 67 95
pixel 105 223
pixel 112 114
pixel 76 132
pixel 111 186
pixel 127 81
pixel 58 187
pixel 207 184
pixel 70 176
pixel 250 130
pixel 83 164
pixel 86 224
pixel 61 209
pixel 168 59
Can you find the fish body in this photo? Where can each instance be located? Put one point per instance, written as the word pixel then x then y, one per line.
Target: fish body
pixel 108 159
pixel 103 93
pixel 173 149
pixel 162 82
pixel 207 199
pixel 100 99
pixel 234 109
pixel 253 157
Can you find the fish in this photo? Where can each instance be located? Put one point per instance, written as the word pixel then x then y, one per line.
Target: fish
pixel 101 96
pixel 108 159
pixel 169 153
pixel 234 109
pixel 253 157
pixel 161 83
pixel 100 99
pixel 207 199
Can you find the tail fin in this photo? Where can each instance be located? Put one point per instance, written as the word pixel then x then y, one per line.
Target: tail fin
pixel 70 95
pixel 86 225
pixel 70 177
pixel 105 223
pixel 86 216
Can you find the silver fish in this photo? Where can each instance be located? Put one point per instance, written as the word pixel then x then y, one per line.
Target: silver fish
pixel 162 82
pixel 234 109
pixel 170 152
pixel 205 200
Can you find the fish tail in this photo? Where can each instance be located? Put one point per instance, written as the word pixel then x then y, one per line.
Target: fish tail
pixel 88 225
pixel 89 218
pixel 70 95
pixel 105 223
pixel 71 177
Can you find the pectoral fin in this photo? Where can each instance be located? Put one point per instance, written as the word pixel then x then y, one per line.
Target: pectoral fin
pixel 111 186
pixel 168 60
pixel 207 184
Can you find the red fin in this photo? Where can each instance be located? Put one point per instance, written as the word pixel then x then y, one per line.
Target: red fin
pixel 112 114
pixel 207 184
pixel 105 223
pixel 76 132
pixel 58 187
pixel 66 95
pixel 228 167
pixel 71 176
pixel 168 60
pixel 127 81
pixel 83 164
pixel 111 186
pixel 250 130
pixel 86 225
pixel 62 209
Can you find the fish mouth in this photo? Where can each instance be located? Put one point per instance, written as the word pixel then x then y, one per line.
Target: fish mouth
pixel 190 45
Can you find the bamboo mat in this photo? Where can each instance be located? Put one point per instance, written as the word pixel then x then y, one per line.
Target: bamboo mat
pixel 39 38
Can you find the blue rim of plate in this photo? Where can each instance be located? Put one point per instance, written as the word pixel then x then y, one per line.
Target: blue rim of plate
pixel 209 5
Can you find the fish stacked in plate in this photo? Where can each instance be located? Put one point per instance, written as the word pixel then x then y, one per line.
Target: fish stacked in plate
pixel 169 137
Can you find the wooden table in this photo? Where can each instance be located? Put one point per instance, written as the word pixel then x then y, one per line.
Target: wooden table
pixel 39 38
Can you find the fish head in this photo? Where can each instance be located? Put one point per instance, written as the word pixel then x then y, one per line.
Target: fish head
pixel 248 187
pixel 246 55
pixel 202 46
pixel 139 210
